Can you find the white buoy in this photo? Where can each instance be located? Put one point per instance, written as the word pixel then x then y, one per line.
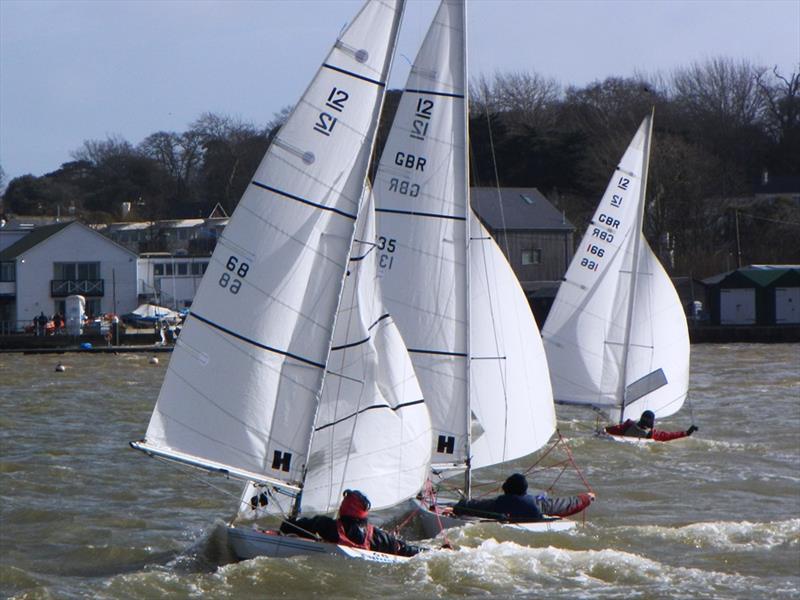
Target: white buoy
pixel 153 360
pixel 60 368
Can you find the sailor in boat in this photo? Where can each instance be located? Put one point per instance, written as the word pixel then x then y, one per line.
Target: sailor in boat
pixel 516 504
pixel 645 428
pixel 352 528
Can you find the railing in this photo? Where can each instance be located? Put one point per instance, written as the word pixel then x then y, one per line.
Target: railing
pixel 60 288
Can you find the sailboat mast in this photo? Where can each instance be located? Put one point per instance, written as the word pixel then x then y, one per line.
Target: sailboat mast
pixel 401 4
pixel 468 210
pixel 639 232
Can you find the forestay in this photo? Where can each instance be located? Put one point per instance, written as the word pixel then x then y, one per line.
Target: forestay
pixel 616 337
pixel 244 381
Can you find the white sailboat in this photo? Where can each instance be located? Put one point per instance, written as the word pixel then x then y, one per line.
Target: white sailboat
pixel 473 340
pixel 616 337
pixel 288 373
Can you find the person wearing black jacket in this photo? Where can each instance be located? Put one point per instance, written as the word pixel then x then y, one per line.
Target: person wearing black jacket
pixel 515 504
pixel 352 528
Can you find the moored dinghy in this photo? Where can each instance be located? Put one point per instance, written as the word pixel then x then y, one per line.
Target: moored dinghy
pixel 247 388
pixel 473 340
pixel 616 337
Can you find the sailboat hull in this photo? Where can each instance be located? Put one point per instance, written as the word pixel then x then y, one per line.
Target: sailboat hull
pixel 627 439
pixel 434 522
pixel 247 543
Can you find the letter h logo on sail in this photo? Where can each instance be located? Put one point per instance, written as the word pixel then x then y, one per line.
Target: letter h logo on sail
pixel 281 460
pixel 446 444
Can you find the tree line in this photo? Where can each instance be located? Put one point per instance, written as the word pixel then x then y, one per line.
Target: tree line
pixel 720 126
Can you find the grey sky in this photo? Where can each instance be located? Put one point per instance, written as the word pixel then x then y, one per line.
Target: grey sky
pixel 77 70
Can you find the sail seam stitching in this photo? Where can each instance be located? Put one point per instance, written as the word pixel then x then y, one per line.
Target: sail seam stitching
pixel 355 414
pixel 365 340
pixel 434 93
pixel 255 343
pixel 419 214
pixel 441 352
pixel 356 75
pixel 303 200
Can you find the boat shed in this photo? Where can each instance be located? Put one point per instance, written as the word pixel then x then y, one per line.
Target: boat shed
pixel 755 295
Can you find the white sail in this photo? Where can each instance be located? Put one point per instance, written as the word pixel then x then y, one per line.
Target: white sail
pixel 616 337
pixel 422 203
pixel 372 431
pixel 511 395
pixel 456 300
pixel 244 381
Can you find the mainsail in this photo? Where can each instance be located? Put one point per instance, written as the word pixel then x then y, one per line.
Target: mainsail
pixel 244 390
pixel 472 337
pixel 616 337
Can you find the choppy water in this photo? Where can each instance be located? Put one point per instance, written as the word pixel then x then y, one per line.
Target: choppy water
pixel 714 516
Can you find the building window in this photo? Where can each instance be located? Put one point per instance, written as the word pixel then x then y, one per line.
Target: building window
pixel 532 256
pixel 7 271
pixel 73 271
pixel 183 269
pixel 168 270
pixel 158 269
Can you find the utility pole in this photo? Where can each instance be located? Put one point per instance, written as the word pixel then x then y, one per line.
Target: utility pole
pixel 738 244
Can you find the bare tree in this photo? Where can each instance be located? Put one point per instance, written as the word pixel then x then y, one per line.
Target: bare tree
pixel 98 152
pixel 720 90
pixel 781 118
pixel 721 105
pixel 526 99
pixel 180 155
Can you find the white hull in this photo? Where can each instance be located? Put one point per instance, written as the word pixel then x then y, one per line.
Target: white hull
pixel 250 543
pixel 433 523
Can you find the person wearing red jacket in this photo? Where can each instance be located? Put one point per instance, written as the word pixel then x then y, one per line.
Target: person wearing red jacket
pixel 645 428
pixel 352 528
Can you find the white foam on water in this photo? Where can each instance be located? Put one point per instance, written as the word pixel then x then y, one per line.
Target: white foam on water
pixel 728 535
pixel 507 567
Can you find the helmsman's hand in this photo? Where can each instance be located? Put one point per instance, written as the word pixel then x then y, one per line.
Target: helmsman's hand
pixel 692 429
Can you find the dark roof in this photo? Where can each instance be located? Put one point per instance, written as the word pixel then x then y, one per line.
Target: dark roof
pixel 36 236
pixel 522 209
pixel 760 275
